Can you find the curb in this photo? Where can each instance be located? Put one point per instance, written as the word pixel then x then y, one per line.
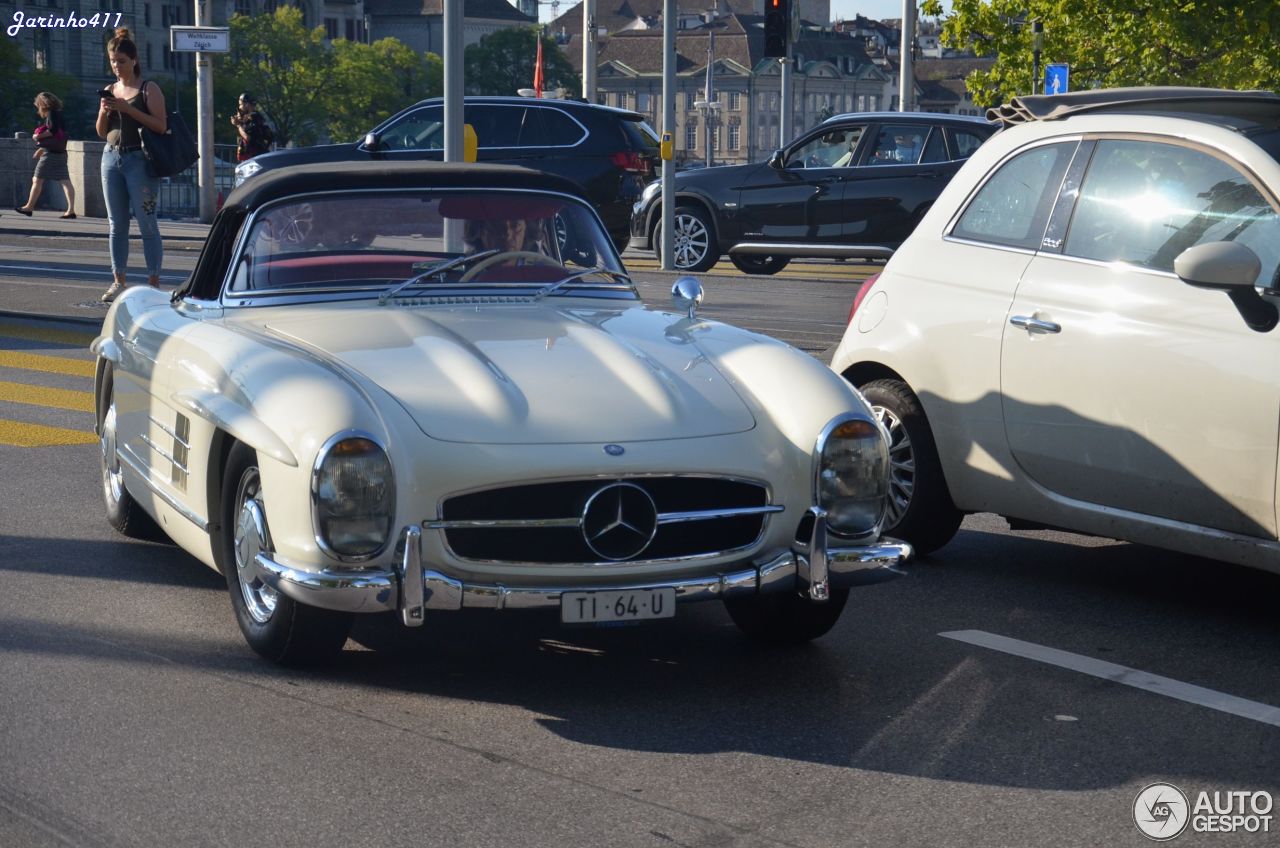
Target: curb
pixel 87 321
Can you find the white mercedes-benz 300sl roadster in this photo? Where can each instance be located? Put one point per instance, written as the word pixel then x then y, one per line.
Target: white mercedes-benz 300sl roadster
pixel 417 388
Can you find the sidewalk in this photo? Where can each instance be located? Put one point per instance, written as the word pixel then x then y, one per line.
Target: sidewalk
pixel 48 224
pixel 72 304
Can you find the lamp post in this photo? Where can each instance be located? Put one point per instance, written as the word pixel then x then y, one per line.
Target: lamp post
pixel 1037 44
pixel 709 105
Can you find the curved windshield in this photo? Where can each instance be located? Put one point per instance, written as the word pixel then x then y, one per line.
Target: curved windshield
pixel 417 241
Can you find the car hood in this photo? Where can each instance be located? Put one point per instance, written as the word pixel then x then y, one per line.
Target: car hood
pixel 720 175
pixel 535 373
pixel 310 155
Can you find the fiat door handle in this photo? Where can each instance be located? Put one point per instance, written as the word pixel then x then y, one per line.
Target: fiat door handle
pixel 1035 325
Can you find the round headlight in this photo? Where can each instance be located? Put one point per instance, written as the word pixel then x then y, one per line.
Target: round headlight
pixel 353 498
pixel 853 475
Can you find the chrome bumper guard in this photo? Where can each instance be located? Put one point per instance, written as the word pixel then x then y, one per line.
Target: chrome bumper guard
pixel 812 569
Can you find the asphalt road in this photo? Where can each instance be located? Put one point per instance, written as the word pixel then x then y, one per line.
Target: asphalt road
pixel 132 713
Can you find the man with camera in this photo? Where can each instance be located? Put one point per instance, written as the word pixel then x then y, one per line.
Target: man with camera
pixel 254 136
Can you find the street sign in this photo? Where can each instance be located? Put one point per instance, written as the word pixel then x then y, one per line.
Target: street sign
pixel 191 39
pixel 1057 79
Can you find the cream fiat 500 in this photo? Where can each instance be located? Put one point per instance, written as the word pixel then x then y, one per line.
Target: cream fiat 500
pixel 418 388
pixel 1081 333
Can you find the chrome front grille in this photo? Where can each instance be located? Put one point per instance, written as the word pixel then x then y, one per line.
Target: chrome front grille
pixel 569 521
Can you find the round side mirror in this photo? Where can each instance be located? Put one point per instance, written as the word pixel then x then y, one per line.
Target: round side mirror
pixel 371 142
pixel 686 295
pixel 775 161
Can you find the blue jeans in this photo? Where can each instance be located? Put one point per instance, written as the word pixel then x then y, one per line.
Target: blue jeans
pixel 129 189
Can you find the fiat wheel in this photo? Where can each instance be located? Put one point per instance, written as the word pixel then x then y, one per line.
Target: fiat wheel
pixel 920 510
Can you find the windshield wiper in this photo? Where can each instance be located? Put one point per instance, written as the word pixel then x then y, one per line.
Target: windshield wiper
pixel 438 268
pixel 546 290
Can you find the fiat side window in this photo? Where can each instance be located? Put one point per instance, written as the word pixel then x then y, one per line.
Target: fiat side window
pixel 1013 207
pixel 1144 203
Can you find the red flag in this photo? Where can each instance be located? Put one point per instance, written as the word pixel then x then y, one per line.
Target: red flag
pixel 537 71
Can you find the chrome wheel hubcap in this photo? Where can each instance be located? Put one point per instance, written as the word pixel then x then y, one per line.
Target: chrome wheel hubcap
pixel 902 466
pixel 692 241
pixel 251 538
pixel 112 477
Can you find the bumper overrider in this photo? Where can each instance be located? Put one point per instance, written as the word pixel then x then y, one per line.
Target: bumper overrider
pixel 811 568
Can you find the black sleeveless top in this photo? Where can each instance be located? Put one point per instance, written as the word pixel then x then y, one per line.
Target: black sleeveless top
pixel 123 129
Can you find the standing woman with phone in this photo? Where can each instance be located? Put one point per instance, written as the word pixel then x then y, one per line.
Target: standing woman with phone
pixel 128 105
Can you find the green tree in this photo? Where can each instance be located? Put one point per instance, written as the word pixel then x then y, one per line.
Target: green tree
pixel 374 81
pixel 502 63
pixel 22 84
pixel 1112 43
pixel 312 89
pixel 289 69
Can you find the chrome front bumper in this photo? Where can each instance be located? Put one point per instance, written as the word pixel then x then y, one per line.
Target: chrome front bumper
pixel 812 569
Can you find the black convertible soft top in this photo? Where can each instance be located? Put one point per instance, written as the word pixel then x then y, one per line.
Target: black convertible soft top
pixel 270 186
pixel 362 176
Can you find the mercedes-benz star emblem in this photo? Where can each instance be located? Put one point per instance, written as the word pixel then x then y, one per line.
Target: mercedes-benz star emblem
pixel 619 521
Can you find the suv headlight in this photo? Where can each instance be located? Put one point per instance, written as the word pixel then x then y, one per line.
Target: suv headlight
pixel 245 170
pixel 852 475
pixel 352 497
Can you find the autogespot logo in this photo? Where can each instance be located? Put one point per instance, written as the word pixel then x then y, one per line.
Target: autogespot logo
pixel 1160 811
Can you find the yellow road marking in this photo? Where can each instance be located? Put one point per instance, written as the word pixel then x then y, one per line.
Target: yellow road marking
pixel 40 396
pixel 50 364
pixel 47 334
pixel 39 436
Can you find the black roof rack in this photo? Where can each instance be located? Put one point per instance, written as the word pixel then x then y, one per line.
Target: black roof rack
pixel 1252 106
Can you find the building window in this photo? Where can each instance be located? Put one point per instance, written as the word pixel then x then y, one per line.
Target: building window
pixel 690 136
pixel 146 14
pixel 331 28
pixel 164 16
pixel 351 29
pixel 243 8
pixel 40 55
pixel 735 101
pixel 620 99
pixel 642 102
pixel 735 137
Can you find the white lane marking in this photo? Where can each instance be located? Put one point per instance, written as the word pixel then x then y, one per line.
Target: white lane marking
pixel 1137 678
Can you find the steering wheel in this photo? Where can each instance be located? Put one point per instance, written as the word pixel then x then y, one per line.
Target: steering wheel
pixel 507 256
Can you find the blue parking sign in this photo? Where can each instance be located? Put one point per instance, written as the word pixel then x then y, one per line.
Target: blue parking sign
pixel 1057 78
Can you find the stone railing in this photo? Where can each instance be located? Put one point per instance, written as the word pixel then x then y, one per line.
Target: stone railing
pixel 84 159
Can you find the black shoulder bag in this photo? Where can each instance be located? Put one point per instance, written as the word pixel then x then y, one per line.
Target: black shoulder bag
pixel 170 152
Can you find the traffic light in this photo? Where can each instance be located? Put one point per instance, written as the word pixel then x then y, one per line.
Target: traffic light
pixel 777 22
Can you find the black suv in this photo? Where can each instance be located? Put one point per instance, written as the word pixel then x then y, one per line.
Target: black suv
pixel 610 152
pixel 854 186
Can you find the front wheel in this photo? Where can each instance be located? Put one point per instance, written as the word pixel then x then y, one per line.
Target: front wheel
pixel 276 626
pixel 123 512
pixel 786 618
pixel 748 264
pixel 695 242
pixel 920 509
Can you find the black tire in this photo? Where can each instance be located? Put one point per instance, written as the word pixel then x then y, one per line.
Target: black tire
pixel 748 264
pixel 920 510
pixel 123 512
pixel 785 618
pixel 276 626
pixel 696 247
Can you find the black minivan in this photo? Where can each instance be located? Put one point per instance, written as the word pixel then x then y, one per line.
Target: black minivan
pixel 611 153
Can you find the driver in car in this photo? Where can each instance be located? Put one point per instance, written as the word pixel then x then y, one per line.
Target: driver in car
pixel 506 235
